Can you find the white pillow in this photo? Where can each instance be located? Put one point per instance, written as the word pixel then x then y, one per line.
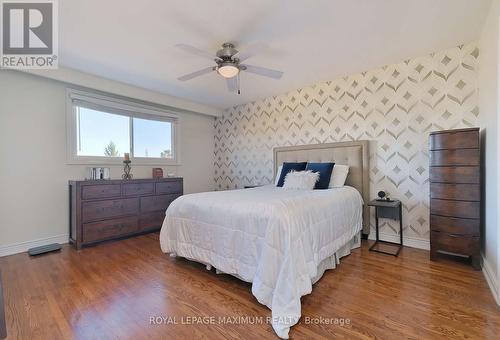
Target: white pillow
pixel 278 174
pixel 339 175
pixel 301 180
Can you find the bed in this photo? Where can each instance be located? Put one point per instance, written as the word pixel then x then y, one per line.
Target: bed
pixel 280 240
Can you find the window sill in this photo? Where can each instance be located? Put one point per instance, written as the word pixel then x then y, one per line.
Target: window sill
pixel 119 162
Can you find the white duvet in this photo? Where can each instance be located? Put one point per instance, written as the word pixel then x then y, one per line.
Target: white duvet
pixel 275 238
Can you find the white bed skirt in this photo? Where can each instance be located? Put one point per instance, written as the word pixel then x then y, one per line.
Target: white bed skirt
pixel 332 261
pixel 328 263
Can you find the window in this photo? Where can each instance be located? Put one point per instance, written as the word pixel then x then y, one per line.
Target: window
pixel 152 138
pixel 101 134
pixel 101 130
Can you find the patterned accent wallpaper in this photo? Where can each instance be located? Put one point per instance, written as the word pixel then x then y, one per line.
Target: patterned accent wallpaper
pixel 395 107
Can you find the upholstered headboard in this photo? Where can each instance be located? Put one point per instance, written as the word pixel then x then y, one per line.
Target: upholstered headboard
pixel 355 154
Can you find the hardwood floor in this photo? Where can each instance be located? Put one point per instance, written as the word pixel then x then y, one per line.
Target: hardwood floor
pixel 3 325
pixel 112 290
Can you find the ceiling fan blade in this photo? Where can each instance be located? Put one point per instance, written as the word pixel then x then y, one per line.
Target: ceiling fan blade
pixel 196 51
pixel 232 84
pixel 262 71
pixel 251 50
pixel 196 74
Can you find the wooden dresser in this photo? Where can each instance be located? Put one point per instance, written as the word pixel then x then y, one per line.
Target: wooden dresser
pixel 109 209
pixel 455 193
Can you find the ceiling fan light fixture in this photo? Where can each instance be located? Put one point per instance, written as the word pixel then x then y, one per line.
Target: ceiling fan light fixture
pixel 228 70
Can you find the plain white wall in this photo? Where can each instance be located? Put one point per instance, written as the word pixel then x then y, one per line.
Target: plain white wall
pixel 34 172
pixel 488 103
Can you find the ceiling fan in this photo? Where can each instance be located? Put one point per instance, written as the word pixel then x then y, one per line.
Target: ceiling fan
pixel 228 64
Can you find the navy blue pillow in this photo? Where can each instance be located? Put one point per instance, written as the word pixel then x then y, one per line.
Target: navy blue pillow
pixel 325 172
pixel 287 167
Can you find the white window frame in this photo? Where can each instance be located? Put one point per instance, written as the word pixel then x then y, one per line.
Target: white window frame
pixel 124 108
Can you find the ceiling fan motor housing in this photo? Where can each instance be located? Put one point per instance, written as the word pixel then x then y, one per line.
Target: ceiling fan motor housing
pixel 227 51
pixel 227 66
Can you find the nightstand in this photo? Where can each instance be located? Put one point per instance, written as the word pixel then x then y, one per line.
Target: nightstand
pixel 387 209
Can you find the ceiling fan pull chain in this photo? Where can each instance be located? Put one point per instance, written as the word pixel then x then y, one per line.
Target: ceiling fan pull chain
pixel 239 92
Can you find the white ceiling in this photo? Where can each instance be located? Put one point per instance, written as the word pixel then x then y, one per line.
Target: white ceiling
pixel 310 40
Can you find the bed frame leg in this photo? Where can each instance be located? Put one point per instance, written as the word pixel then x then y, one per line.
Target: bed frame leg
pixel 209 267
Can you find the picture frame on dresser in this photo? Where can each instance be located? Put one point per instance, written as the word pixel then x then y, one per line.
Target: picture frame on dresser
pixel 455 193
pixel 113 209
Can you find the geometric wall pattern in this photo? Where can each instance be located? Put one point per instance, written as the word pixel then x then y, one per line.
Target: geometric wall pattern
pixel 395 107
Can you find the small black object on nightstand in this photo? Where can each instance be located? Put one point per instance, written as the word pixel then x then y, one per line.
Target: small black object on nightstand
pixel 251 186
pixel 387 209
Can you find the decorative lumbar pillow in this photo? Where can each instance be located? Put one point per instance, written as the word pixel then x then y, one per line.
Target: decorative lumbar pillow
pixel 339 175
pixel 278 174
pixel 325 173
pixel 301 180
pixel 287 167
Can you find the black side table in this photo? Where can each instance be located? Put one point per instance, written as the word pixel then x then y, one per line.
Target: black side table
pixel 387 209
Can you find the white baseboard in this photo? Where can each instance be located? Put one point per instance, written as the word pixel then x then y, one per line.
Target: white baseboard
pixel 407 241
pixel 491 279
pixel 16 248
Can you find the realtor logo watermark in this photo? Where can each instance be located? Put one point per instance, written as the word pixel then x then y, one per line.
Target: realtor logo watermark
pixel 29 38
